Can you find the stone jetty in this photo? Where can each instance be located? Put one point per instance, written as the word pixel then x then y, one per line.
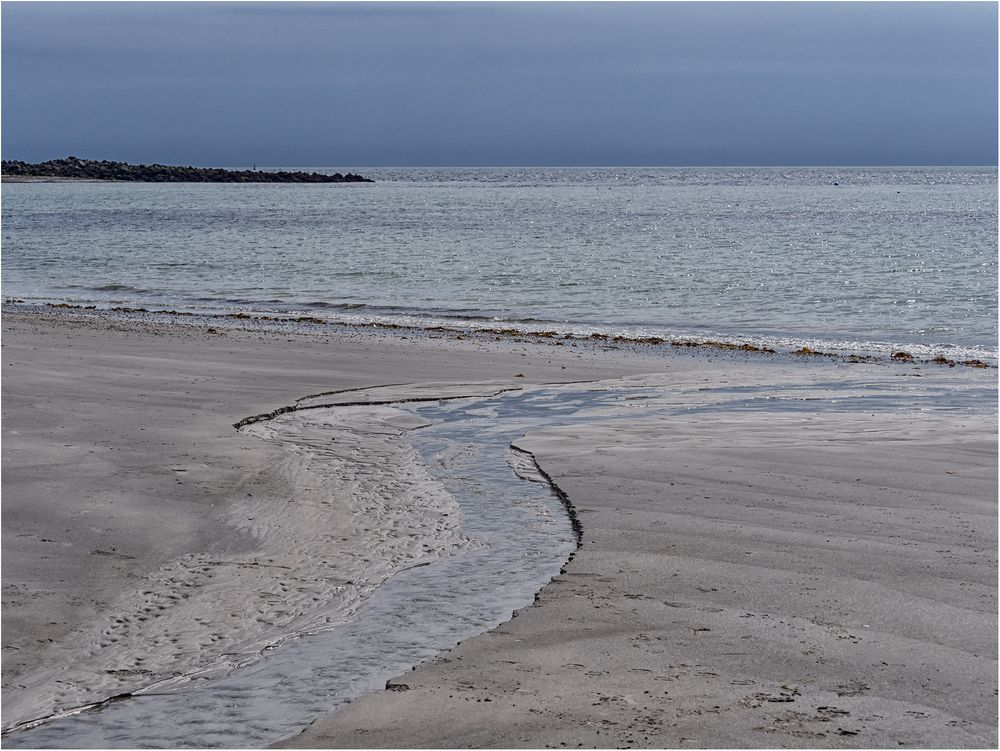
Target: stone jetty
pixel 72 168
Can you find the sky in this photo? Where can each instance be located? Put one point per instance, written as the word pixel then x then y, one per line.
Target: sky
pixel 501 84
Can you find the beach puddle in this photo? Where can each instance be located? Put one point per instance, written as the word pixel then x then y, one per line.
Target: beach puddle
pixel 521 534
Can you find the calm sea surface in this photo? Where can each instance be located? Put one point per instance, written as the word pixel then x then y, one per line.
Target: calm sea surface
pixel 836 258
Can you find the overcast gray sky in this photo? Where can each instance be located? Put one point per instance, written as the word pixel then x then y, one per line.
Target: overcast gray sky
pixel 453 84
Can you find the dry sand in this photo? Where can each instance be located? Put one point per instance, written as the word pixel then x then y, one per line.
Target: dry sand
pixel 747 577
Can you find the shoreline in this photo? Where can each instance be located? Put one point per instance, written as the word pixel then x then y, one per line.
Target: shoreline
pixel 116 376
pixel 750 345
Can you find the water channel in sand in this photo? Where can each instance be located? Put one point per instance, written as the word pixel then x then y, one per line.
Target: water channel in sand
pixel 525 537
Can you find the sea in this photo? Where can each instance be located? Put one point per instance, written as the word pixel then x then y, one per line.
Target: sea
pixel 868 260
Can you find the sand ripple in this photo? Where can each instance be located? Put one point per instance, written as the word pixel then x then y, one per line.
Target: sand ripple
pixel 364 509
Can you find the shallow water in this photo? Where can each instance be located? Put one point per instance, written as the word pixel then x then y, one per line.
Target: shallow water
pixel 524 536
pixel 837 258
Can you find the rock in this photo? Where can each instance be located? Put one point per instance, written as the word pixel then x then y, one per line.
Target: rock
pixel 88 169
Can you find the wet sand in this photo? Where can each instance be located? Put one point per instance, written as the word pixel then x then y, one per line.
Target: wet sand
pixel 747 577
pixel 829 583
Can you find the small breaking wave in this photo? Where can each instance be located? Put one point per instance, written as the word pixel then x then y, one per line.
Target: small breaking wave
pixel 538 330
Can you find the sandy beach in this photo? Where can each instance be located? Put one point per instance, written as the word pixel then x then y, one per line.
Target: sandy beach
pixel 775 551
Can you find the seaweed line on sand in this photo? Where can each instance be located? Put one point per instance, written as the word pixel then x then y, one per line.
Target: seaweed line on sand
pixel 574 518
pixel 369 403
pixel 552 337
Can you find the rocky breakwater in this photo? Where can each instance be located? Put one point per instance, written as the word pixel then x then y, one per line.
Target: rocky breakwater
pixel 73 168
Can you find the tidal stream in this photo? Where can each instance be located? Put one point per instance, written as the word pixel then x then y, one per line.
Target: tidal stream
pixel 524 537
